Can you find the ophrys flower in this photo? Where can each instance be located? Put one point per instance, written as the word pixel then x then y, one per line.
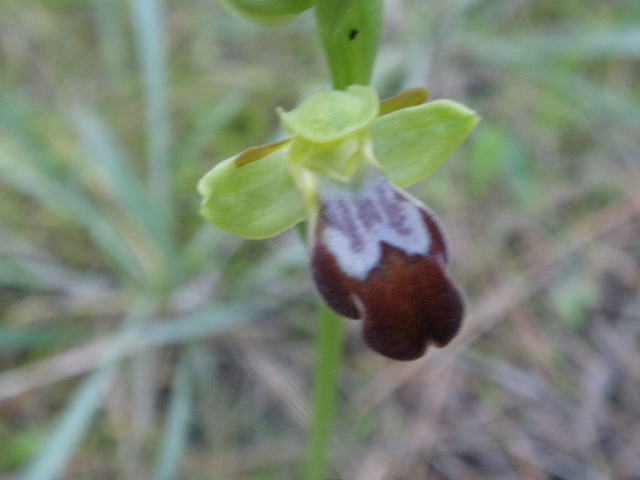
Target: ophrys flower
pixel 377 254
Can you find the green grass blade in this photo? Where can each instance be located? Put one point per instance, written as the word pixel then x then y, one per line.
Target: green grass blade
pixel 24 265
pixel 14 275
pixel 73 425
pixel 15 340
pixel 77 417
pixel 110 31
pixel 148 20
pixel 210 321
pixel 28 166
pixel 108 156
pixel 68 200
pixel 176 429
pixel 15 129
pixel 546 48
pixel 206 125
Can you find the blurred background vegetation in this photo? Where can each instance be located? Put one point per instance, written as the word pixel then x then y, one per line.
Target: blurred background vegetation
pixel 136 342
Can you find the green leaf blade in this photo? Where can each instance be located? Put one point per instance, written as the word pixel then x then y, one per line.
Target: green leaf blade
pixel 148 18
pixel 78 416
pixel 176 430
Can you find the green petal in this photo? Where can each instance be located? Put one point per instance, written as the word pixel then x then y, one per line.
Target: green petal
pixel 331 115
pixel 258 200
pixel 407 98
pixel 253 154
pixel 411 143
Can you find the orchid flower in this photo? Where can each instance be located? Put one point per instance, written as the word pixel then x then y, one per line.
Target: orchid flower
pixel 376 253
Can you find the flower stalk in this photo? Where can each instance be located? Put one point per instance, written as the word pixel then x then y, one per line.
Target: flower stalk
pixel 351 51
pixel 329 341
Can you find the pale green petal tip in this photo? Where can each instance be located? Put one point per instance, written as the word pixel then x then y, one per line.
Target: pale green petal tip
pixel 258 200
pixel 331 115
pixel 413 142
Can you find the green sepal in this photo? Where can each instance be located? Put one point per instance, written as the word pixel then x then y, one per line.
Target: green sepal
pixel 257 200
pixel 412 142
pixel 331 115
pixel 267 12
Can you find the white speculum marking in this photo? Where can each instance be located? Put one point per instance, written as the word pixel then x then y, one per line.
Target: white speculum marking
pixel 358 218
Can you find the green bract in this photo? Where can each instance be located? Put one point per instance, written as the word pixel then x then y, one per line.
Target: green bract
pixel 265 190
pixel 268 12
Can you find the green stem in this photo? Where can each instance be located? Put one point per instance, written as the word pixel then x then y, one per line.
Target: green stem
pixel 350 32
pixel 327 377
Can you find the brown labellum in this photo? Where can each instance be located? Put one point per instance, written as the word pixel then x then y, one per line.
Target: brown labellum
pixel 380 255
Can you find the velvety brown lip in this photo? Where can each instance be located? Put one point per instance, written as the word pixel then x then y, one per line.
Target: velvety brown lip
pixel 407 302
